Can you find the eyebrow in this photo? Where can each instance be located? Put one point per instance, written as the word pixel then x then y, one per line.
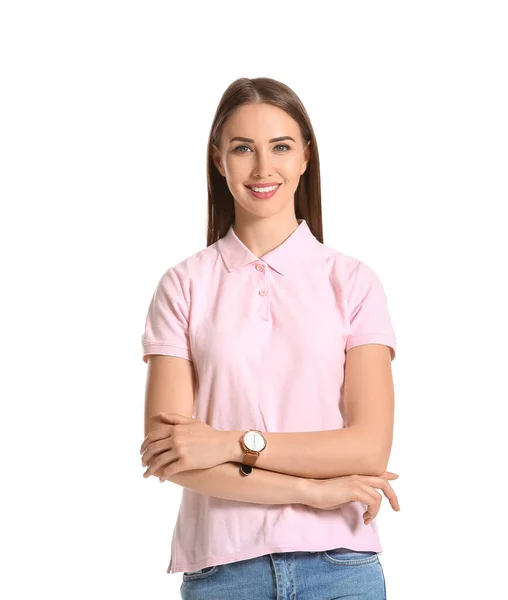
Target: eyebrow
pixel 277 139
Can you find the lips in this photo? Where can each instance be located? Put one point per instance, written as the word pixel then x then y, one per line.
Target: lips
pixel 264 195
pixel 262 185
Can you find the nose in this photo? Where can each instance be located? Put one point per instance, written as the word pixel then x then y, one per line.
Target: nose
pixel 262 165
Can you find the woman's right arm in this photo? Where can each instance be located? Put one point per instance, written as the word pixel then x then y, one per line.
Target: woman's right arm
pixel 170 388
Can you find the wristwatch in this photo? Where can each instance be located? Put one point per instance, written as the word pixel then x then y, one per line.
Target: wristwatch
pixel 253 443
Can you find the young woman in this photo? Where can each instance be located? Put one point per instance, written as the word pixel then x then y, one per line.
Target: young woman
pixel 281 347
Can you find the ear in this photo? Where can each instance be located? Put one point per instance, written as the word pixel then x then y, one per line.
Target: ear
pixel 217 160
pixel 306 154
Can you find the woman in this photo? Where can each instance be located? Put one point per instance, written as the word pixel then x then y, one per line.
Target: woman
pixel 250 334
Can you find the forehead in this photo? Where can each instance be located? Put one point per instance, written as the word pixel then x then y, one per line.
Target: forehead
pixel 260 122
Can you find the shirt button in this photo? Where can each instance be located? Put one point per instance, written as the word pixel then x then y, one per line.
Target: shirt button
pixel 262 292
pixel 260 267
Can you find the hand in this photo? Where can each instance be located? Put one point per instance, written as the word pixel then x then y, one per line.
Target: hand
pixel 182 445
pixel 328 494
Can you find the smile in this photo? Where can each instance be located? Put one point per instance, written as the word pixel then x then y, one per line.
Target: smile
pixel 267 192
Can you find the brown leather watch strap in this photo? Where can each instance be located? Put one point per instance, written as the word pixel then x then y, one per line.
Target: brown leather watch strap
pixel 250 458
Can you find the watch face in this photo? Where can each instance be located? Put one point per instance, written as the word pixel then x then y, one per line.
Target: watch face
pixel 254 441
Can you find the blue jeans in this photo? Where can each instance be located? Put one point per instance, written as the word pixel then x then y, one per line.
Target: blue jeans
pixel 328 575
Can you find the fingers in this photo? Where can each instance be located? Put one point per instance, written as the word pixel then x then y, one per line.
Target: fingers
pixel 155 435
pixel 163 460
pixel 366 495
pixel 155 449
pixel 373 505
pixel 390 494
pixel 364 491
pixel 382 484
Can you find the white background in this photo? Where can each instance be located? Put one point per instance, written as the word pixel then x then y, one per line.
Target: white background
pixel 105 113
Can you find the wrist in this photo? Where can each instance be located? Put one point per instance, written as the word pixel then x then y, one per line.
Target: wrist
pixel 306 490
pixel 233 446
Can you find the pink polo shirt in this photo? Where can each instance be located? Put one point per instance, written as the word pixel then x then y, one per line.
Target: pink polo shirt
pixel 267 337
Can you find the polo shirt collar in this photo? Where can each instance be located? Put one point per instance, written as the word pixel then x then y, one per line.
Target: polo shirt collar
pixel 295 249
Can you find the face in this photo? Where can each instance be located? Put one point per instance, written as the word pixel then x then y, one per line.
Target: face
pixel 258 158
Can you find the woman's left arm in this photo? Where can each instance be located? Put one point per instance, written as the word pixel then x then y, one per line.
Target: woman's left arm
pixel 361 448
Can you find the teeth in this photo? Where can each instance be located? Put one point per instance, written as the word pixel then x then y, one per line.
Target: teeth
pixel 264 189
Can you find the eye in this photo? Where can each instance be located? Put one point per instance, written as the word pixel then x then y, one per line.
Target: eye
pixel 278 146
pixel 238 147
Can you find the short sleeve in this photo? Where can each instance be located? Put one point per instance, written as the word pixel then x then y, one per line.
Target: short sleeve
pixel 166 326
pixel 369 317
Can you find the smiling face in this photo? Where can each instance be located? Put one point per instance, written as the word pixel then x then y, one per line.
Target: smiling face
pixel 260 144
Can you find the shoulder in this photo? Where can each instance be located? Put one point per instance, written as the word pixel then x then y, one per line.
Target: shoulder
pixel 195 266
pixel 349 273
pixel 341 267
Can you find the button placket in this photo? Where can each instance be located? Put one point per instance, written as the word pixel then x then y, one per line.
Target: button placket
pixel 261 268
pixel 263 292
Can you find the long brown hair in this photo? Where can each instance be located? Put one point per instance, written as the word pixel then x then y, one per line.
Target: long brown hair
pixel 221 208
